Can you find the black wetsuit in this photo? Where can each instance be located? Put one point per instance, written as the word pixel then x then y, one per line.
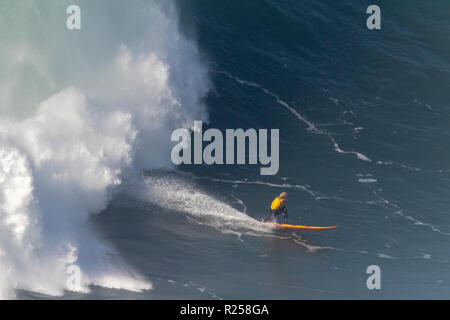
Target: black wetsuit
pixel 282 211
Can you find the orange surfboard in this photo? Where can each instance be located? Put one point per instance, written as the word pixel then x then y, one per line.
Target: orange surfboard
pixel 301 228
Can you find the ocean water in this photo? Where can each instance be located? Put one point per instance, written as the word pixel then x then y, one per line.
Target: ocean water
pixel 86 178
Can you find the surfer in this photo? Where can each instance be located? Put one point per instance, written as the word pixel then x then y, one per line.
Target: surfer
pixel 278 207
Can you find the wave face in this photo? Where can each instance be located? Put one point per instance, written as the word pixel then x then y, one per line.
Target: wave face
pixel 79 110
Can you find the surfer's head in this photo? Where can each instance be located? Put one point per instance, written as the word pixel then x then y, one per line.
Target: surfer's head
pixel 283 196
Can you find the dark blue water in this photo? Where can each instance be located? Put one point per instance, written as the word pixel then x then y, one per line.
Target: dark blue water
pixel 383 94
pixel 364 133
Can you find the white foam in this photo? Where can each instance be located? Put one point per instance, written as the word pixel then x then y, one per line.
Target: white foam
pixel 89 118
pixel 367 180
pixel 310 125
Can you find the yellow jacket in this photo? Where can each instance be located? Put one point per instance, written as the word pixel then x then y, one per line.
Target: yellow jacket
pixel 277 204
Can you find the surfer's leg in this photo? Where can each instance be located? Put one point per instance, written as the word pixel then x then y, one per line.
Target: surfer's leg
pixel 275 214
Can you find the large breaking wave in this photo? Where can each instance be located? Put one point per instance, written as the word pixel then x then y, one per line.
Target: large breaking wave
pixel 78 110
